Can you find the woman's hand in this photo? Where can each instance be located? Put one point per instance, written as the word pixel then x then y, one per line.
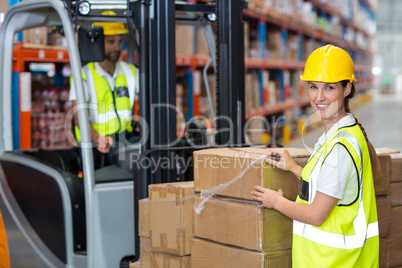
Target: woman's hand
pixel 267 197
pixel 280 158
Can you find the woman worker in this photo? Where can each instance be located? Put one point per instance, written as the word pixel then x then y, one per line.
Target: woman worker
pixel 335 215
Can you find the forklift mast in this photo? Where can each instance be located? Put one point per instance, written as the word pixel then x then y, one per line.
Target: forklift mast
pixel 156 22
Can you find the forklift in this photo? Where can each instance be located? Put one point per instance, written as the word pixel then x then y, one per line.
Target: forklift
pixel 54 218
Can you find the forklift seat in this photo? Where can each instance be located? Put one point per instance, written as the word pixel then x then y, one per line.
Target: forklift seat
pixel 51 158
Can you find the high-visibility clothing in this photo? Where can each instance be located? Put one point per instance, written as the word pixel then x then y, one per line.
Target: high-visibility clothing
pixel 349 237
pixel 110 111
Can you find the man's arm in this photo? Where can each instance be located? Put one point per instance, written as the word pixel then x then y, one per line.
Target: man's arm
pixel 103 143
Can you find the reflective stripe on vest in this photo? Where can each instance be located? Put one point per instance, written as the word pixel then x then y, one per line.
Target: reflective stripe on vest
pixel 362 229
pixel 130 80
pixel 338 240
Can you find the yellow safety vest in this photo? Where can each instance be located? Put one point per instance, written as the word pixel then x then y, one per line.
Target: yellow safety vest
pixel 349 237
pixel 110 111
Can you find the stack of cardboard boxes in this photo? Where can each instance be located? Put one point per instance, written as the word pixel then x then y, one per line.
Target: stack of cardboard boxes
pixel 229 230
pixel 395 196
pixel 389 208
pixel 395 247
pixel 179 229
pixel 166 225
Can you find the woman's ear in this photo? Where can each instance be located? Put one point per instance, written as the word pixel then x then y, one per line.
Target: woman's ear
pixel 348 89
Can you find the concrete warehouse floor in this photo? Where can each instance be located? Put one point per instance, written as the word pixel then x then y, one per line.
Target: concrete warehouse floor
pixel 381 117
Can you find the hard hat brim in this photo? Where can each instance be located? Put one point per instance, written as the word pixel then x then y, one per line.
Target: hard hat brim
pixel 122 31
pixel 326 79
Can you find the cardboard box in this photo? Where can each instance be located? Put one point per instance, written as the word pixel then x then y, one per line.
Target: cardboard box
pixel 395 248
pixel 396 168
pixel 4 6
pixel 240 223
pixel 37 35
pixel 135 265
pixel 382 181
pixel 384 252
pixel 213 167
pixel 215 255
pixel 171 217
pixel 258 6
pixel 308 47
pixel 252 94
pixel 384 215
pixel 202 48
pixel 56 39
pixel 143 217
pixel 246 39
pixel 396 194
pixel 293 48
pixel 275 46
pixel 145 252
pixel 300 155
pixel 152 259
pixel 184 40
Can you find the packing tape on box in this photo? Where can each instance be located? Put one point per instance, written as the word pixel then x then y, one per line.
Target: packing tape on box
pixel 208 194
pixel 164 191
pixel 179 196
pixel 163 241
pixel 180 238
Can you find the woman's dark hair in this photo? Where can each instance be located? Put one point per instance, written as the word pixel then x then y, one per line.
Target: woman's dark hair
pixel 375 162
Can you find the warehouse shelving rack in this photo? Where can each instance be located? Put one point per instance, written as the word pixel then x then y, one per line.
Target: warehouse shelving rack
pixel 23 54
pixel 289 25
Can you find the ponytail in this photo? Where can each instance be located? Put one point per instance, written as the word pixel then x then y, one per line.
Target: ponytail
pixel 375 162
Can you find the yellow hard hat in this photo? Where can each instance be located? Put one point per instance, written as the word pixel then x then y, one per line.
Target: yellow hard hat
pixel 111 28
pixel 329 64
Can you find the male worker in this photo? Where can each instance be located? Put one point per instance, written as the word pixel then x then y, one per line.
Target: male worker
pixel 110 88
